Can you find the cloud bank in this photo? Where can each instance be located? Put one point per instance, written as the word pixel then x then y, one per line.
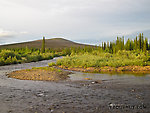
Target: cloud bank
pixel 74 19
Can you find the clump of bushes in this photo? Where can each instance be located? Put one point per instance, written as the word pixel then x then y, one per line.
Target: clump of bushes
pixel 121 58
pixel 23 55
pixel 9 57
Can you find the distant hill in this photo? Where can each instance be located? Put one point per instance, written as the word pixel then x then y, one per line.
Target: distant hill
pixel 49 43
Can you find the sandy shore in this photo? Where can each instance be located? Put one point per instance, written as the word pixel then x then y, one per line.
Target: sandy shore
pixel 24 96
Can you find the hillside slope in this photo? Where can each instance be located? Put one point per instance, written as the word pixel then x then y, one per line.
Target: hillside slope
pixel 49 43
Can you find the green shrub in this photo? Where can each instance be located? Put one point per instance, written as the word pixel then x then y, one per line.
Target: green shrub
pixel 22 55
pixel 7 53
pixel 122 58
pixel 51 64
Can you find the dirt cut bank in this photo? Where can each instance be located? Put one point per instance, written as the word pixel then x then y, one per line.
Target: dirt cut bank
pixel 108 69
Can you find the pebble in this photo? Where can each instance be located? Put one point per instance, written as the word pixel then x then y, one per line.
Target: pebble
pixel 41 94
pixel 51 110
pixel 132 90
pixel 95 82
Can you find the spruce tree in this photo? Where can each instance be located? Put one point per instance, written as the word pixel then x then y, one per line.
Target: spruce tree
pixel 107 45
pixel 146 42
pixel 111 47
pixel 104 45
pixel 140 42
pixel 43 45
pixel 144 46
pixel 128 45
pixel 131 45
pixel 136 43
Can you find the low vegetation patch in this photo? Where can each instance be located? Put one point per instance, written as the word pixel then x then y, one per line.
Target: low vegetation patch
pixel 40 73
pixel 132 61
pixel 122 58
pixel 25 55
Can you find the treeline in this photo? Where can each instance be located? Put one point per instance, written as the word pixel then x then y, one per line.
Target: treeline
pixel 139 43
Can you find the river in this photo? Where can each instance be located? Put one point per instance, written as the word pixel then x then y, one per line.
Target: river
pixel 75 95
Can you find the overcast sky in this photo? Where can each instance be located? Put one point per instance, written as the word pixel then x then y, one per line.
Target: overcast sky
pixel 23 20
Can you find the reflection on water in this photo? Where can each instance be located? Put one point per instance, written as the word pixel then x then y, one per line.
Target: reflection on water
pixel 133 78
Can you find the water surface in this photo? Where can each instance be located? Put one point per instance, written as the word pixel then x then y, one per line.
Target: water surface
pixel 132 78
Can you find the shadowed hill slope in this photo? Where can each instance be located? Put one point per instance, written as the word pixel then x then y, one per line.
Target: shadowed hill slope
pixel 49 43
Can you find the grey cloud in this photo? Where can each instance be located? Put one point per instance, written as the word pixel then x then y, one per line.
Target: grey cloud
pixel 75 19
pixel 10 34
pixel 7 33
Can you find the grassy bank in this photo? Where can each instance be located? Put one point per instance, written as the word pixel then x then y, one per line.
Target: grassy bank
pixel 134 61
pixel 40 73
pixel 122 58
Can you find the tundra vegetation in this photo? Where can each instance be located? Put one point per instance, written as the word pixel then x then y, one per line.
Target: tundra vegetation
pixel 24 55
pixel 35 51
pixel 114 54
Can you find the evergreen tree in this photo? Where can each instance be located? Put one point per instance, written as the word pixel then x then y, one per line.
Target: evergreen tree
pixel 43 45
pixel 128 45
pixel 107 45
pixel 104 45
pixel 117 44
pixel 140 42
pixel 131 45
pixel 117 41
pixel 111 47
pixel 144 46
pixel 136 44
pixel 146 43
